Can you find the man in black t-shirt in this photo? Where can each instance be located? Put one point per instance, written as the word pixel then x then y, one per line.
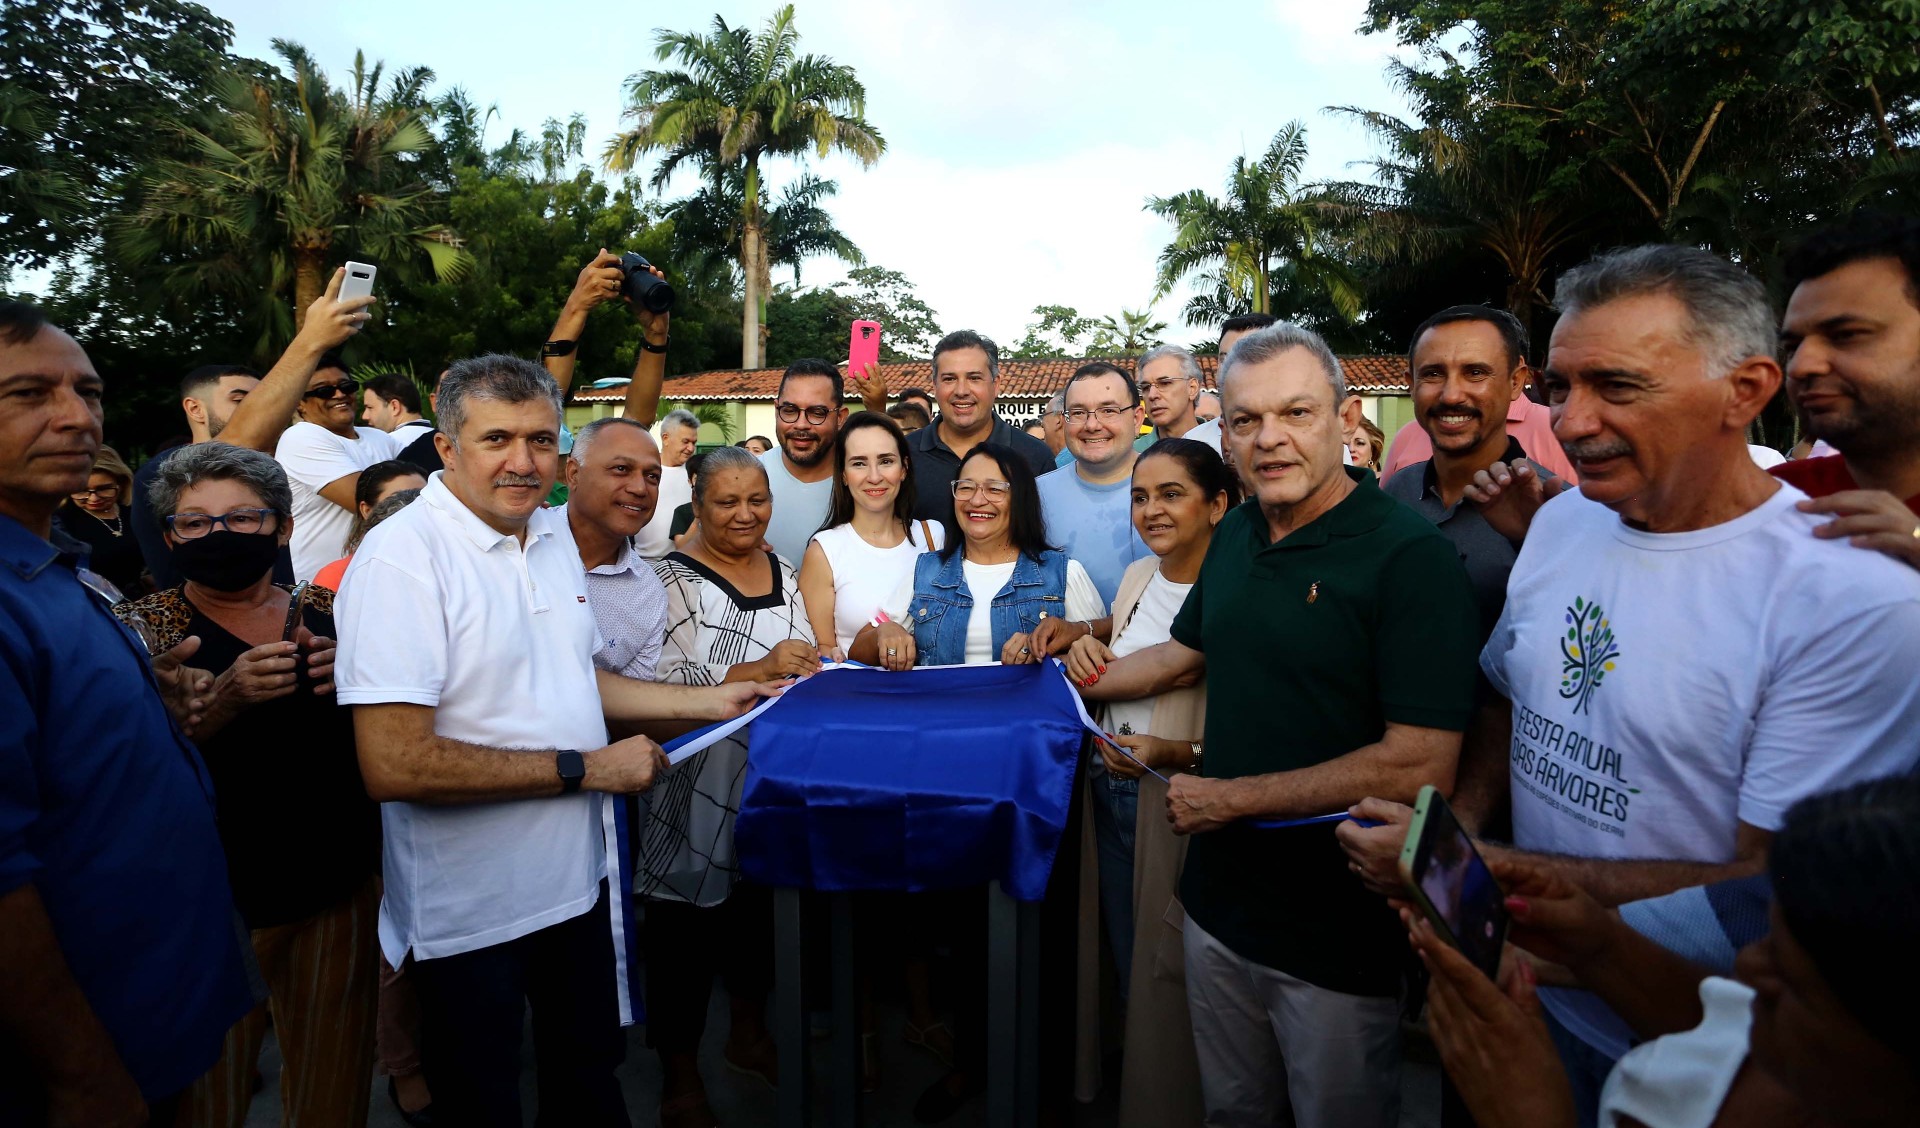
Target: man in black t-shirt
pixel 966 378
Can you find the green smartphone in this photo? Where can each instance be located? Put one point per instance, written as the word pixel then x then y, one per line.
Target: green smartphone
pixel 1451 883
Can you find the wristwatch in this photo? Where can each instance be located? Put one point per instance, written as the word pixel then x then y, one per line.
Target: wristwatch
pixel 559 348
pixel 1194 747
pixel 572 767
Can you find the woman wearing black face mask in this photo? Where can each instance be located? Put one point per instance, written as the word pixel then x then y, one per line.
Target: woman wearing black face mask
pixel 302 839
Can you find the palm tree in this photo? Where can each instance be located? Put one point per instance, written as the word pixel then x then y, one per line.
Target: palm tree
pixel 1265 219
pixel 288 177
pixel 1135 331
pixel 737 99
pixel 707 228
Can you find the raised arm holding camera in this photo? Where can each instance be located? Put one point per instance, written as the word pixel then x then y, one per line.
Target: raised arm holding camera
pixel 644 288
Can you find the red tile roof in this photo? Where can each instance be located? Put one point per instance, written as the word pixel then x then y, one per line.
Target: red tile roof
pixel 1019 379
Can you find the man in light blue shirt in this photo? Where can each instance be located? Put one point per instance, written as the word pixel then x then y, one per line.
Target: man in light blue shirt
pixel 1088 503
pixel 809 414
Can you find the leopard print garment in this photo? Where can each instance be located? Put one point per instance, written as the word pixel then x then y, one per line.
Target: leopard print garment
pixel 167 613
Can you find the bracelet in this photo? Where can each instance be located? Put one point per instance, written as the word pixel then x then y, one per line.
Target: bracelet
pixel 651 347
pixel 558 348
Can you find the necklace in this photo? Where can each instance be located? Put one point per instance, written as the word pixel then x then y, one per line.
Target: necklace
pixel 115 526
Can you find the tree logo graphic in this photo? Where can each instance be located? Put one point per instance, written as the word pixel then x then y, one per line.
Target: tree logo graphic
pixel 1586 654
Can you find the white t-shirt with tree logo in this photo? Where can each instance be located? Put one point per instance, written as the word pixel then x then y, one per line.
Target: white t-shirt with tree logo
pixel 1668 687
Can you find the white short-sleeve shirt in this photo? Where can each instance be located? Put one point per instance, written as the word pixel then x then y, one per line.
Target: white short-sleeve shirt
pixel 314 458
pixel 446 612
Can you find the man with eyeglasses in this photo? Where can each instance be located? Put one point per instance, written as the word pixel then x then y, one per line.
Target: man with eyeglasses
pixel 1087 504
pixel 966 378
pixel 323 454
pixel 808 413
pixel 1169 380
pixel 120 964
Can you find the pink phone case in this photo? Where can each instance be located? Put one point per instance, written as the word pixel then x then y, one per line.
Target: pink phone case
pixel 864 347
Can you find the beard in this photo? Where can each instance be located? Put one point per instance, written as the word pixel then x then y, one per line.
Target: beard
pixel 822 450
pixel 215 425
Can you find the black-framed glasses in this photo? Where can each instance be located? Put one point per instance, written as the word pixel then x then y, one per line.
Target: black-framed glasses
pixel 327 391
pixel 993 488
pixel 791 413
pixel 112 491
pixel 193 526
pixel 1079 417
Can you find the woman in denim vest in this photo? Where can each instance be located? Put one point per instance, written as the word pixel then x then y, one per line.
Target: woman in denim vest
pixel 978 600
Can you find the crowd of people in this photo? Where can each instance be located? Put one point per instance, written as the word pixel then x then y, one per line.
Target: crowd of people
pixel 332 726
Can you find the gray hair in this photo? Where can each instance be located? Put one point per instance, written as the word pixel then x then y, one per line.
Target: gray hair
pixel 725 458
pixel 585 436
pixel 1189 364
pixel 504 379
pixel 188 466
pixel 389 505
pixel 1057 405
pixel 1728 308
pixel 679 417
pixel 1263 345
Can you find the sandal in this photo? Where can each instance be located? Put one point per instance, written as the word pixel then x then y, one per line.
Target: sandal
pixel 688 1110
pixel 934 1038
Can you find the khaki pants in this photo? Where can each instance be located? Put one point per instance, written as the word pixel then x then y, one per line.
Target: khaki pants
pixel 323 977
pixel 1276 1050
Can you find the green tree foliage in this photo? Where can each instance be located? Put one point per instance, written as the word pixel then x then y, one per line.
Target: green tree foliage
pixel 89 91
pixel 1265 221
pixel 287 178
pixel 1055 331
pixel 737 99
pixel 909 328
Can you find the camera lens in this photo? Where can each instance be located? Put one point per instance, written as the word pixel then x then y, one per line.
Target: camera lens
pixel 640 286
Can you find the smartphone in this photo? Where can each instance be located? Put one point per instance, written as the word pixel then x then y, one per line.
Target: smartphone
pixel 296 603
pixel 1450 882
pixel 864 348
pixel 358 282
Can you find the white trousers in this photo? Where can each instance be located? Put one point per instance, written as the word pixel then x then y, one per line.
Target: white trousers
pixel 1275 1050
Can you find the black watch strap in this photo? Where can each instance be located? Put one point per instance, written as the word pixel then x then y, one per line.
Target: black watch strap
pixel 572 767
pixel 559 348
pixel 651 347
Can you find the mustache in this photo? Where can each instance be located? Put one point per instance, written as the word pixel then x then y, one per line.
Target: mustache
pixel 511 479
pixel 1594 450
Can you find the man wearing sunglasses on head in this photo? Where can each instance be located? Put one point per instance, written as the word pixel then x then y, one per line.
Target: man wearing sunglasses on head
pixel 323 454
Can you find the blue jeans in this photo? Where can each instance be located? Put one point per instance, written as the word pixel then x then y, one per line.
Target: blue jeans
pixel 1115 804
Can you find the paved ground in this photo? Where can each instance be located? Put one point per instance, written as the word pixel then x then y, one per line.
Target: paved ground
pixel 745 1103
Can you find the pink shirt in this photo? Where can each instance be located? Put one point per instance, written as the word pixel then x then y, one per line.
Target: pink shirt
pixel 1527 421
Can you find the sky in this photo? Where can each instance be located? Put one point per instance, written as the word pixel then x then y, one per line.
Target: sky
pixel 1023 136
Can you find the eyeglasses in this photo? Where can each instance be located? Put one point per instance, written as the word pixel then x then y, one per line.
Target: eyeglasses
pixel 1164 383
pixel 1079 418
pixel 994 489
pixel 109 595
pixel 791 412
pixel 193 526
pixel 99 491
pixel 327 391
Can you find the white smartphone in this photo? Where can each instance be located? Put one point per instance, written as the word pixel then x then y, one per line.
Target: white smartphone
pixel 359 281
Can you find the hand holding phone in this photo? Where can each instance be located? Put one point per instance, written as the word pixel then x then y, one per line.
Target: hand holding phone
pixel 296 603
pixel 1446 877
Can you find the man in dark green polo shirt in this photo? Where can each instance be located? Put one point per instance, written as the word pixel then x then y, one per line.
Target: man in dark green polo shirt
pixel 1338 635
pixel 966 378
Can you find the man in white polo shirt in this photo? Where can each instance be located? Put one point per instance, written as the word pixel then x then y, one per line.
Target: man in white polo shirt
pixel 466 650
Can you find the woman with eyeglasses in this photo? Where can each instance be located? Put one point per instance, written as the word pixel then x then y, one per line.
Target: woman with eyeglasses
pixel 302 839
pixel 97 518
pixel 324 454
pixel 978 600
pixel 858 559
